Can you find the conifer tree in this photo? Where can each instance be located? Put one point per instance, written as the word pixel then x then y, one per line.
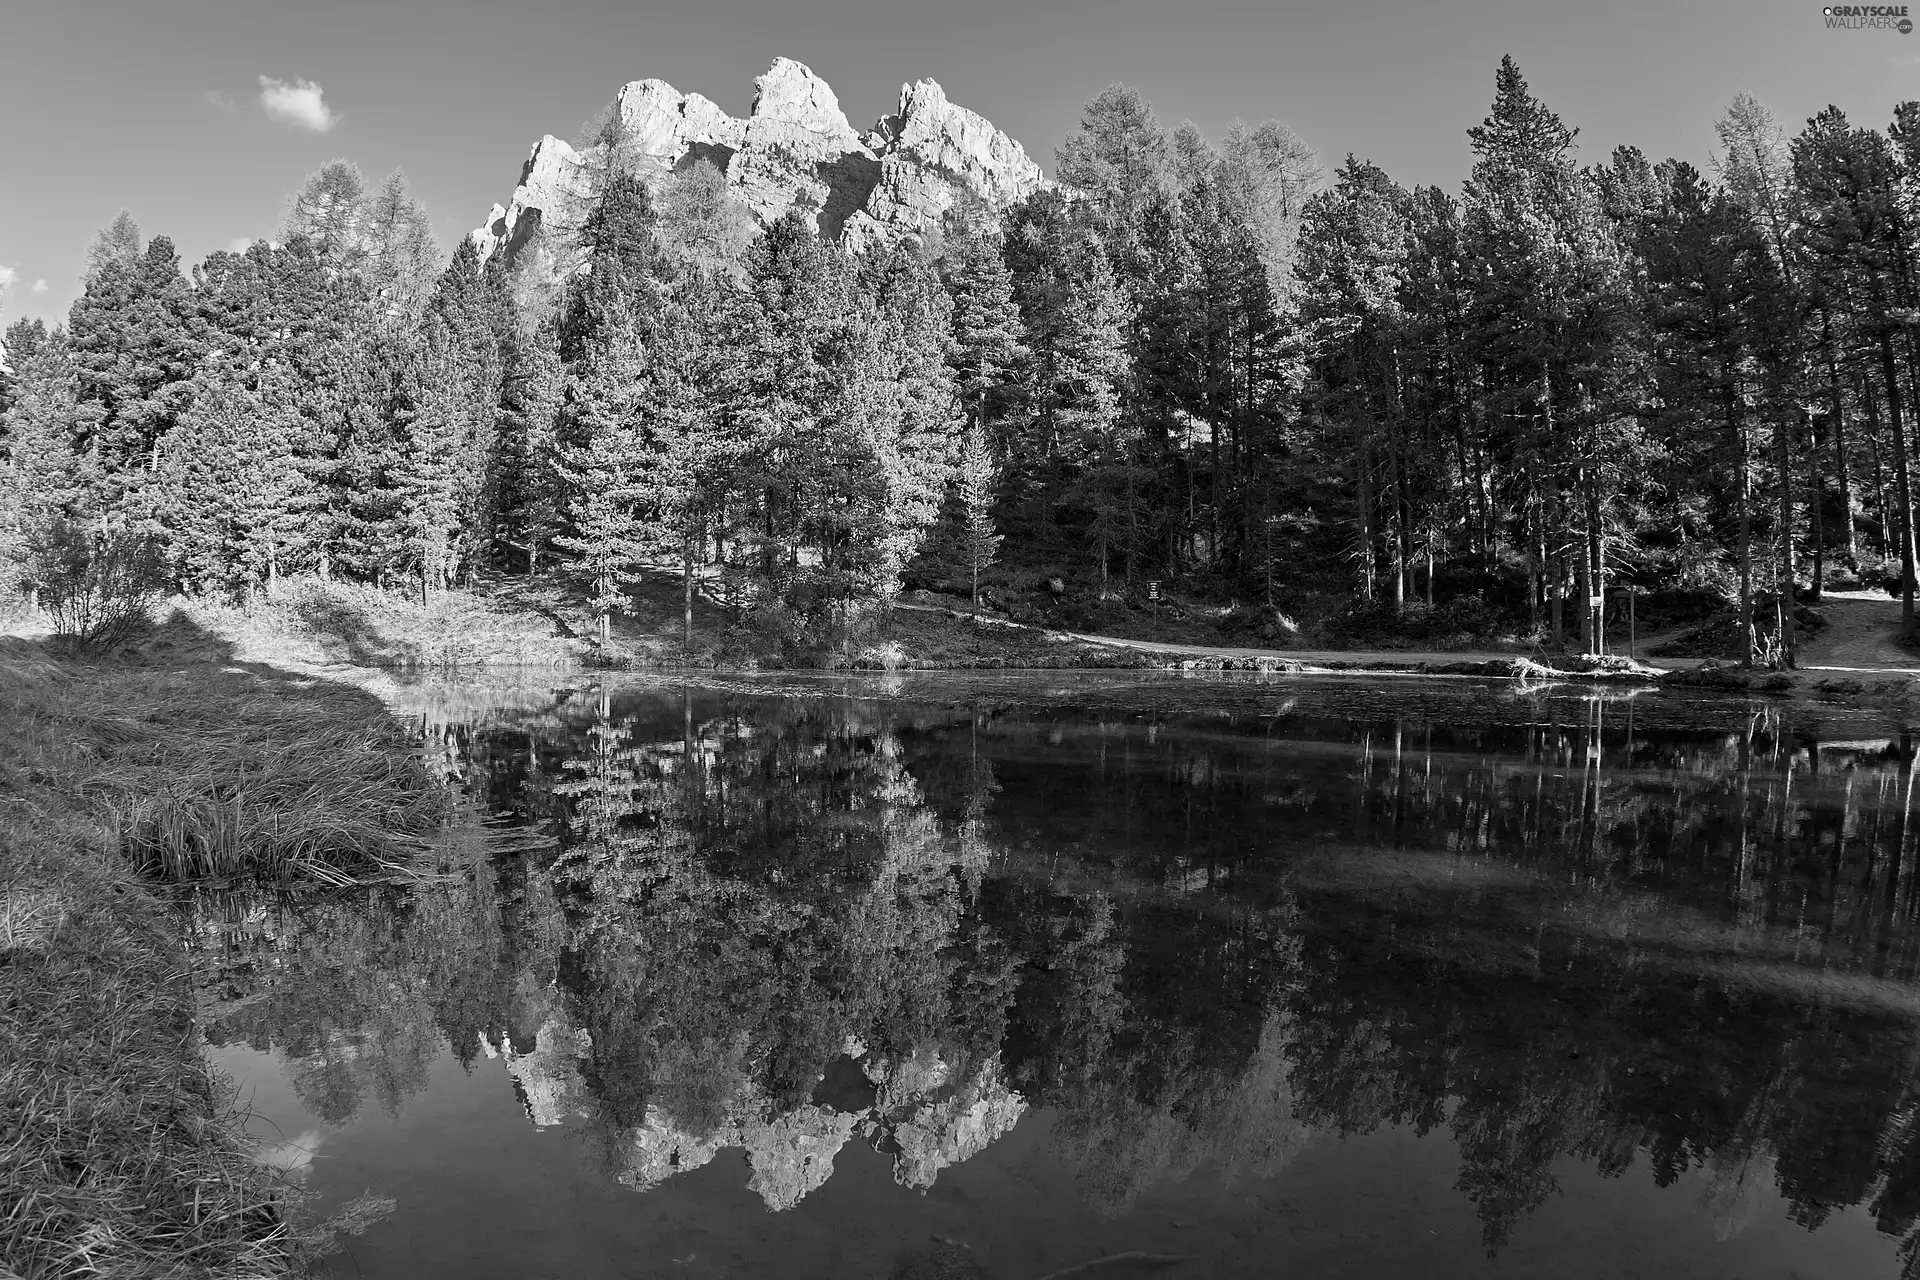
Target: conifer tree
pixel 330 209
pixel 47 479
pixel 231 495
pixel 600 461
pixel 532 383
pixel 119 242
pixel 1858 236
pixel 402 259
pixel 986 322
pixel 136 342
pixel 23 337
pixel 974 481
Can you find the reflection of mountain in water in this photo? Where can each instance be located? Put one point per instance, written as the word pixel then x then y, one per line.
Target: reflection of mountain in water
pixel 783 925
pixel 919 1114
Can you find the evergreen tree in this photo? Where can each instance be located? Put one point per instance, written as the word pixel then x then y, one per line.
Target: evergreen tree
pixel 974 481
pixel 986 322
pixel 47 479
pixel 231 495
pixel 1858 236
pixel 23 337
pixel 532 383
pixel 600 461
pixel 1351 261
pixel 136 341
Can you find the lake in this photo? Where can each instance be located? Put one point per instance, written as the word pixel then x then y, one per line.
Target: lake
pixel 1275 977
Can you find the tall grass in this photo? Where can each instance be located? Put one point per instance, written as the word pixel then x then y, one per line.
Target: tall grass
pixel 202 773
pixel 121 1153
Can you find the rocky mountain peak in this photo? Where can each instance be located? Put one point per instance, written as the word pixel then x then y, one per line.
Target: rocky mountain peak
pixel 791 94
pixel 794 150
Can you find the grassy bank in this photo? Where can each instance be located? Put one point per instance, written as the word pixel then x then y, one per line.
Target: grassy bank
pixel 120 1153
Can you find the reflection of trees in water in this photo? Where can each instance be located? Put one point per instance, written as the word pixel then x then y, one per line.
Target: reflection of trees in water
pixel 788 924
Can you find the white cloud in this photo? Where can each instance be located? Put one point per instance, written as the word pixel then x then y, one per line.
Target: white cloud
pixel 219 99
pixel 38 286
pixel 7 276
pixel 298 103
pixel 239 244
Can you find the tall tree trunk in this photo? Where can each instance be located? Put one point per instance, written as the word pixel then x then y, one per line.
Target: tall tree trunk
pixel 1902 483
pixel 686 586
pixel 1365 522
pixel 1597 558
pixel 1743 481
pixel 1842 458
pixel 1783 441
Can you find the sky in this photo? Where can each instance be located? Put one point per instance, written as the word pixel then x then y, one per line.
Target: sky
pixel 202 116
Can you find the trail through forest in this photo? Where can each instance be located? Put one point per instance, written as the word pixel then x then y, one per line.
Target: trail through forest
pixel 1860 635
pixel 1346 659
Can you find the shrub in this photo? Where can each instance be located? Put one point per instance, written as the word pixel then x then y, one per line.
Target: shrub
pixel 96 587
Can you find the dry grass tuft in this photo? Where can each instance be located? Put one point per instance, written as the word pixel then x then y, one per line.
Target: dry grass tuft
pixel 203 774
pixel 121 1154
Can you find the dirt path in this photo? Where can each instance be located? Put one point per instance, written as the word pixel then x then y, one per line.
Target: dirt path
pixel 1859 637
pixel 1349 659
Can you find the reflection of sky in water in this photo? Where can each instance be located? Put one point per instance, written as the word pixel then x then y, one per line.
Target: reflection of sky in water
pixel 1547 985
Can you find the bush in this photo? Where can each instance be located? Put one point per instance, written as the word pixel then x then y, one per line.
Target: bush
pixel 96 588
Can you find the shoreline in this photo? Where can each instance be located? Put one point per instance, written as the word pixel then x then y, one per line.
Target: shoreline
pixel 122 1150
pixel 86 743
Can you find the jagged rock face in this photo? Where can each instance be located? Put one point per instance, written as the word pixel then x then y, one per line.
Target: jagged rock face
pixel 795 149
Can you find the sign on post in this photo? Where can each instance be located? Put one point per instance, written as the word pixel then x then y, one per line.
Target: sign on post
pixel 1153 589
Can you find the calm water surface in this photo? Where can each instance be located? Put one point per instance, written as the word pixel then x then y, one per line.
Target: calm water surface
pixel 1320 979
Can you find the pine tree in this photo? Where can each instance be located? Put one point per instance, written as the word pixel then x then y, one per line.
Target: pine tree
pixel 1550 323
pixel 1351 260
pixel 532 383
pixel 1858 237
pixel 23 337
pixel 137 341
pixel 986 322
pixel 231 495
pixel 974 481
pixel 47 479
pixel 600 461
pixel 915 438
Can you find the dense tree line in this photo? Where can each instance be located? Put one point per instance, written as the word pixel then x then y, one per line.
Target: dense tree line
pixel 1194 360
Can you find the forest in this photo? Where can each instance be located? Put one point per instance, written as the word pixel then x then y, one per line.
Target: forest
pixel 1292 392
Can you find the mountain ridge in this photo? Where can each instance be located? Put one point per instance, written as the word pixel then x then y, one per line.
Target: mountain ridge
pixel 794 149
